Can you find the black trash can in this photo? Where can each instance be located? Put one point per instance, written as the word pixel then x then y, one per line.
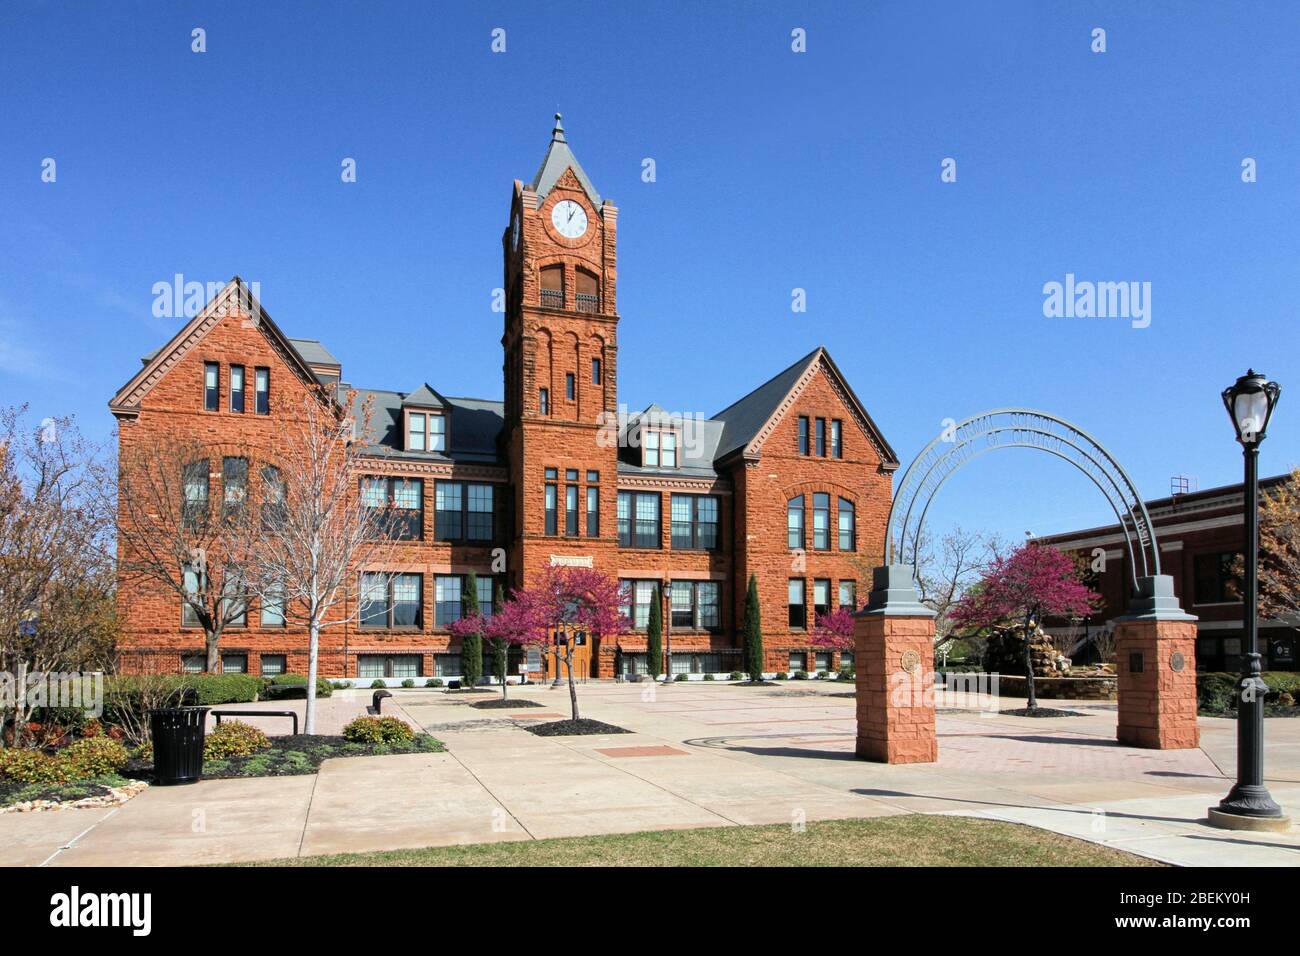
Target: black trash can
pixel 178 734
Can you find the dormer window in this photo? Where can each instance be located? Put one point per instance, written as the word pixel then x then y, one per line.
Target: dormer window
pixel 659 449
pixel 426 431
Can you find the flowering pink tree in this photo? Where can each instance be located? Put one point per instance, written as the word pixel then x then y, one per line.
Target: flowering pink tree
pixel 1032 582
pixel 579 599
pixel 834 630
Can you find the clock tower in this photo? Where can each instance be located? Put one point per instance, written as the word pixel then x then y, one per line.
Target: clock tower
pixel 560 361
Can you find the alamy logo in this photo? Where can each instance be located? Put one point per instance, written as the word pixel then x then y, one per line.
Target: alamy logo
pixel 73 909
pixel 1101 300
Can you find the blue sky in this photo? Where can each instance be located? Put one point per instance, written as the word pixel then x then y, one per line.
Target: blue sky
pixel 775 171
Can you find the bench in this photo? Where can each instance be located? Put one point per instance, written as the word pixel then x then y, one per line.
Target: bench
pixel 218 714
pixel 379 696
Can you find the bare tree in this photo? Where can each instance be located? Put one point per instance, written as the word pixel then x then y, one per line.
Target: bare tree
pixel 947 567
pixel 172 538
pixel 319 531
pixel 56 581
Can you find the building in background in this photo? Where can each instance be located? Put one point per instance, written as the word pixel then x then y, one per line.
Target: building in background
pixel 790 483
pixel 1200 536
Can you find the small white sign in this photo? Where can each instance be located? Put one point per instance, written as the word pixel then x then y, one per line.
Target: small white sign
pixel 571 561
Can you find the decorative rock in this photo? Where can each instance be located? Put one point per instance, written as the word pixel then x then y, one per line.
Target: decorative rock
pixel 114 797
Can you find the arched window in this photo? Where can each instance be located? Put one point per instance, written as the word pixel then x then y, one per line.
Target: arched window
pixel 553 286
pixel 848 528
pixel 821 521
pixel 794 522
pixel 588 292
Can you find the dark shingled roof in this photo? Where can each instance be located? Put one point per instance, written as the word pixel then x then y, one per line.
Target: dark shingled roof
pixel 743 419
pixel 309 350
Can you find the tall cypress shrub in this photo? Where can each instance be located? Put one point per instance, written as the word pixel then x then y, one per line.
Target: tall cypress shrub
pixel 500 648
pixel 654 636
pixel 753 633
pixel 471 646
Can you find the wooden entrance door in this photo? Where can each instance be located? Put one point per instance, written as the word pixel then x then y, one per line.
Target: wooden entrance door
pixel 581 660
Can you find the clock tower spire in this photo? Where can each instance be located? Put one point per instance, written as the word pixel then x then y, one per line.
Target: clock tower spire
pixel 560 346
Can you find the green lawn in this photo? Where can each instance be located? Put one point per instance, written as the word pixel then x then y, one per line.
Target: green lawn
pixel 911 840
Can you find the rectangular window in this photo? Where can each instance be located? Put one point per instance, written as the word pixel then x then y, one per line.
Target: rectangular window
pixel 479 526
pixel 821 522
pixel 644 594
pixel 194 585
pixel 821 597
pixel 448 598
pixel 794 523
pixel 668 456
pixel 272 664
pixel 708 604
pixel 1215 582
pixel 571 510
pixel 234 663
pixel 437 433
pixel 448 498
pixel 798 617
pixel 390 665
pixel 273 608
pixel 694 522
pixel 652 449
pixel 416 431
pixel 392 600
pixel 570 389
pixel 798 660
pixel 837 438
pixel 211 387
pixel 595 371
pixel 822 661
pixel 234 485
pixel 551 524
pixel 234 602
pixel 683 604
pixel 193 663
pixel 593 512
pixel 646 530
pixel 848 531
pixel 485 594
pixel 195 480
pixel 544 401
pixel 849 595
pixel 237 388
pixel 803 434
pixel 821 438
pixel 274 498
pixel 262 389
pixel 401 503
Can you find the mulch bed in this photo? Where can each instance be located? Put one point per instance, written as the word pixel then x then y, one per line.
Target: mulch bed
pixel 575 728
pixel 290 756
pixel 1040 712
pixel 505 702
pixel 753 683
pixel 472 690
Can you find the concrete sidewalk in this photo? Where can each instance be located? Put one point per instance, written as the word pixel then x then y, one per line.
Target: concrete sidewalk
pixel 701 754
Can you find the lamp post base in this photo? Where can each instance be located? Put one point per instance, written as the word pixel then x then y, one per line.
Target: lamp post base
pixel 1236 821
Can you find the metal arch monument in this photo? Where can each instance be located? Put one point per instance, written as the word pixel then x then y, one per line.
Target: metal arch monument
pixel 894 632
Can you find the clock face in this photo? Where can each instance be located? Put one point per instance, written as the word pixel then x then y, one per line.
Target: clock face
pixel 569 218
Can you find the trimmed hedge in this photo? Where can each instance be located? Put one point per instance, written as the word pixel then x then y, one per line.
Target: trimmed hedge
pixel 374 730
pixel 234 739
pixel 294 687
pixel 1216 691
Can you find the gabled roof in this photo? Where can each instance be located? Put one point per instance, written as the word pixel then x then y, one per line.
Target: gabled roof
pixel 424 397
pixel 126 403
pixel 747 422
pixel 696 450
pixel 559 158
pixel 311 351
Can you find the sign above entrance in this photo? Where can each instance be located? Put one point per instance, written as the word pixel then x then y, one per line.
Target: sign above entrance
pixel 571 561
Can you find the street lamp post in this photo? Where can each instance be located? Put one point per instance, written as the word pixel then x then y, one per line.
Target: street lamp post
pixel 560 639
pixel 1248 805
pixel 668 633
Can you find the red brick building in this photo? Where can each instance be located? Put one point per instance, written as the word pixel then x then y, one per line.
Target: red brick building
pixel 1200 536
pixel 791 483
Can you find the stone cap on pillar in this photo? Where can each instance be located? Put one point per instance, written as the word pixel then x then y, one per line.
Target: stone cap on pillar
pixel 893 594
pixel 1155 601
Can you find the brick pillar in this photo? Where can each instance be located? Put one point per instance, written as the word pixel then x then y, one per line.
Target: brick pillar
pixel 894 657
pixel 1155 656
